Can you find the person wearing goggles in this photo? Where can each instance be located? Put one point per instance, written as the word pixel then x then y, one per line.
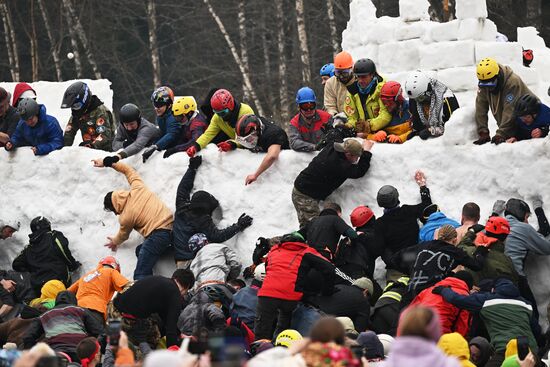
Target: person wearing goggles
pixel 259 135
pixel 306 127
pixel 431 104
pixel 336 88
pixel 90 116
pixel 499 90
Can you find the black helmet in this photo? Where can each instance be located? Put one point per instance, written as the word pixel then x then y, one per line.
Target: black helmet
pixel 517 208
pixel 364 67
pixel 27 108
pixel 77 96
pixel 40 224
pixel 528 104
pixel 129 113
pixel 248 124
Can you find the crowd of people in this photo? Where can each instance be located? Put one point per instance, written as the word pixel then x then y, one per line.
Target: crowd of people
pixel 455 291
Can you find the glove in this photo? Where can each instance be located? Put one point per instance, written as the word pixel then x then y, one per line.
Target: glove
pixel 244 221
pixel 195 162
pixel 438 289
pixel 226 146
pixel 476 228
pixel 424 134
pixel 360 126
pixel 537 202
pixel 498 207
pixel 340 119
pixel 109 161
pixel 148 152
pixel 380 136
pixel 169 152
pixel 497 139
pixel 191 151
pixel 86 143
pixel 248 272
pixel 483 138
pixel 394 139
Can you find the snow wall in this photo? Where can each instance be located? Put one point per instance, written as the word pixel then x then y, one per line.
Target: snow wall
pixel 65 187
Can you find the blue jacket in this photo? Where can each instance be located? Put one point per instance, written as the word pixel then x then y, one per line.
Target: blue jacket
pixel 435 221
pixel 244 304
pixel 46 135
pixel 541 122
pixel 170 129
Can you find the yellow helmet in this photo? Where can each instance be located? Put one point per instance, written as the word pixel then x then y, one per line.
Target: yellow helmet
pixel 287 337
pixel 487 69
pixel 183 106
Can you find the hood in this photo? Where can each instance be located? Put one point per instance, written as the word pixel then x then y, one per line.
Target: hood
pixel 483 240
pixel 454 283
pixel 292 246
pixel 486 349
pixel 411 351
pixel 203 202
pixel 119 199
pixel 51 289
pixel 19 89
pixel 65 298
pixel 504 287
pixel 42 113
pixel 328 212
pixel 455 345
pixel 436 216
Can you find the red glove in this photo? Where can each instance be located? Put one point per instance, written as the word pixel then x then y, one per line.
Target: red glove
pixel 191 151
pixel 226 146
pixel 394 139
pixel 380 136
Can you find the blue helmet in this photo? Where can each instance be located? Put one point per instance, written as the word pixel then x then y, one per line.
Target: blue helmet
pixel 304 95
pixel 327 70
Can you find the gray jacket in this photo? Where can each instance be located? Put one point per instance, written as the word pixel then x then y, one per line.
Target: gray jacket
pixel 215 262
pixel 523 238
pixel 147 133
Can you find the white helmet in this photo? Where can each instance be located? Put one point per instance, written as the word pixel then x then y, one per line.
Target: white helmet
pixel 259 272
pixel 416 84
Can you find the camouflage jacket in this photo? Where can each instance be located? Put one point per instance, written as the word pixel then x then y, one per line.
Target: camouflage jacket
pixel 96 126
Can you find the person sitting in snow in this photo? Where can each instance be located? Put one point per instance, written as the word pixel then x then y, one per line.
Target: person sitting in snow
pixel 336 87
pixel 400 127
pixel 499 90
pixel 258 135
pixel 170 129
pixel 431 104
pixel 89 115
pixel 192 121
pixel 433 219
pixel 8 117
pixel 532 119
pixel 36 129
pixel 307 126
pixel 364 108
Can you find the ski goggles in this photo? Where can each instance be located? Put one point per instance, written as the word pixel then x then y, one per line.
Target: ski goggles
pixel 222 113
pixel 491 83
pixel 343 72
pixel 250 141
pixel 308 106
pixel 159 103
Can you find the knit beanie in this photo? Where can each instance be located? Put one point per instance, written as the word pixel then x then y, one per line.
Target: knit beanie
pixel 387 197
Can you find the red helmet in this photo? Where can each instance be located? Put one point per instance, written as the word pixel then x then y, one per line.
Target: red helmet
pixel 110 261
pixel 392 90
pixel 497 225
pixel 361 215
pixel 221 100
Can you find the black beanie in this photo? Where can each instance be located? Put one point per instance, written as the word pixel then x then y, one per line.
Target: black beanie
pixel 108 202
pixel 466 277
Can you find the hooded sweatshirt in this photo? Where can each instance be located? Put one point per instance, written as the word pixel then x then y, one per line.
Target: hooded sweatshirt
pixel 455 345
pixel 434 222
pixel 485 348
pixel 139 208
pixel 416 351
pixel 46 136
pixel 20 88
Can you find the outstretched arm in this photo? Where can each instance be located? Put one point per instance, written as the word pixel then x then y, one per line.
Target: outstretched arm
pixel 186 184
pixel 271 156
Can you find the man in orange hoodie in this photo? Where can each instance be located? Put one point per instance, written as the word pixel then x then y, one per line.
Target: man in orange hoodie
pixel 142 210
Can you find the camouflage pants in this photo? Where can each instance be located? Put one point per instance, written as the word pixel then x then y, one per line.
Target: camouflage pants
pixel 306 207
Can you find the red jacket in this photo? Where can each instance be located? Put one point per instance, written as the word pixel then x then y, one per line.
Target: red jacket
pixel 451 317
pixel 287 268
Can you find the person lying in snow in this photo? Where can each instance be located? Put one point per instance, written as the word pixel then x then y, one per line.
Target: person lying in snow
pixel 532 119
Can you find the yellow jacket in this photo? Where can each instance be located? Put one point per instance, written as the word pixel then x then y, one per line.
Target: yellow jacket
pixel 454 344
pixel 377 114
pixel 217 124
pixel 139 208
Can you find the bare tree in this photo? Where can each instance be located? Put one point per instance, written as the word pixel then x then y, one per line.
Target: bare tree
pixel 54 49
pixel 283 88
pixel 34 45
pixel 246 76
pixel 74 43
pixel 153 45
pixel 302 36
pixel 11 43
pixel 533 14
pixel 244 47
pixel 267 63
pixel 332 26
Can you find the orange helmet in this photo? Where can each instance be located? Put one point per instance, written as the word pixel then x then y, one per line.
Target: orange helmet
pixel 361 215
pixel 343 60
pixel 110 261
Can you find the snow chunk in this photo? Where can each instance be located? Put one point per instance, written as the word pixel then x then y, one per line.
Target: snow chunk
pixel 471 9
pixel 447 55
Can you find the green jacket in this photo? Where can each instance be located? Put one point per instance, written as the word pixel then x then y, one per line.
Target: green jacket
pixel 376 112
pixel 97 126
pixel 217 124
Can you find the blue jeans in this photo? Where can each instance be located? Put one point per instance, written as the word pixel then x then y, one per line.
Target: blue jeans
pixel 303 318
pixel 149 252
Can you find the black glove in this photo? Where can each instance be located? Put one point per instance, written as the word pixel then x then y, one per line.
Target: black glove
pixel 86 143
pixel 169 152
pixel 148 152
pixel 438 289
pixel 497 139
pixel 424 134
pixel 244 221
pixel 483 138
pixel 126 143
pixel 476 228
pixel 248 272
pixel 109 161
pixel 195 162
pixel 261 249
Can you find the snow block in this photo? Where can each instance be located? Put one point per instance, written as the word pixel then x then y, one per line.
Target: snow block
pixel 504 52
pixel 362 10
pixel 446 55
pixel 400 76
pixel 409 31
pixel 413 10
pixel 459 79
pixel 541 63
pixel 529 75
pixel 380 30
pixel 397 56
pixel 439 32
pixel 477 29
pixel 490 32
pixel 461 125
pixel 471 9
pixel 528 37
pixel 368 51
pixel 350 38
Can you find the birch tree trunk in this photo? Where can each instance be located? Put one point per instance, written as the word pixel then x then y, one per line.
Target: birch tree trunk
pixel 11 42
pixel 233 49
pixel 82 36
pixel 34 45
pixel 302 36
pixel 54 48
pixel 267 64
pixel 244 47
pixel 332 26
pixel 74 44
pixel 283 96
pixel 533 14
pixel 153 45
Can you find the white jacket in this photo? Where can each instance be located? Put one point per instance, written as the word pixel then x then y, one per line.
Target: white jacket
pixel 215 262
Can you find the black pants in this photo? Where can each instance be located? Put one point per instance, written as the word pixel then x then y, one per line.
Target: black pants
pixel 270 309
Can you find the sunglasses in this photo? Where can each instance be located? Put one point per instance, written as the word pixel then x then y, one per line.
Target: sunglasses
pixel 159 104
pixel 308 106
pixel 222 113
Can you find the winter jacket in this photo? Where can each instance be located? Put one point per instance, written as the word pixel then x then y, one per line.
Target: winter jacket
pixel 215 262
pixel 416 351
pixel 191 131
pixel 287 268
pixel 14 330
pixel 497 263
pixel 451 318
pixel 388 306
pixel 217 124
pixel 367 107
pixel 523 239
pixel 46 135
pixel 96 288
pixel 245 302
pixel 505 313
pixel 194 215
pixel 327 171
pixel 153 295
pixel 432 115
pixel 271 135
pixel 454 345
pixel 542 122
pixel 435 221
pixel 46 257
pixel 8 122
pixel 139 208
pixel 304 135
pixel 132 142
pixel 510 88
pixel 400 124
pixel 96 124
pixel 335 95
pixel 201 313
pixel 357 259
pixel 19 89
pixel 170 131
pixel 398 227
pixel 64 326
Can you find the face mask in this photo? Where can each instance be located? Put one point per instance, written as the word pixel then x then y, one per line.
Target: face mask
pixel 250 141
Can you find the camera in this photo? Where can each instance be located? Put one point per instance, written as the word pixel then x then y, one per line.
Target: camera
pixel 113 332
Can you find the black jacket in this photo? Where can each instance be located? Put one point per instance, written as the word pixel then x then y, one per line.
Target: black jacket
pixel 46 257
pixel 154 294
pixel 398 227
pixel 357 259
pixel 327 171
pixel 9 121
pixel 271 135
